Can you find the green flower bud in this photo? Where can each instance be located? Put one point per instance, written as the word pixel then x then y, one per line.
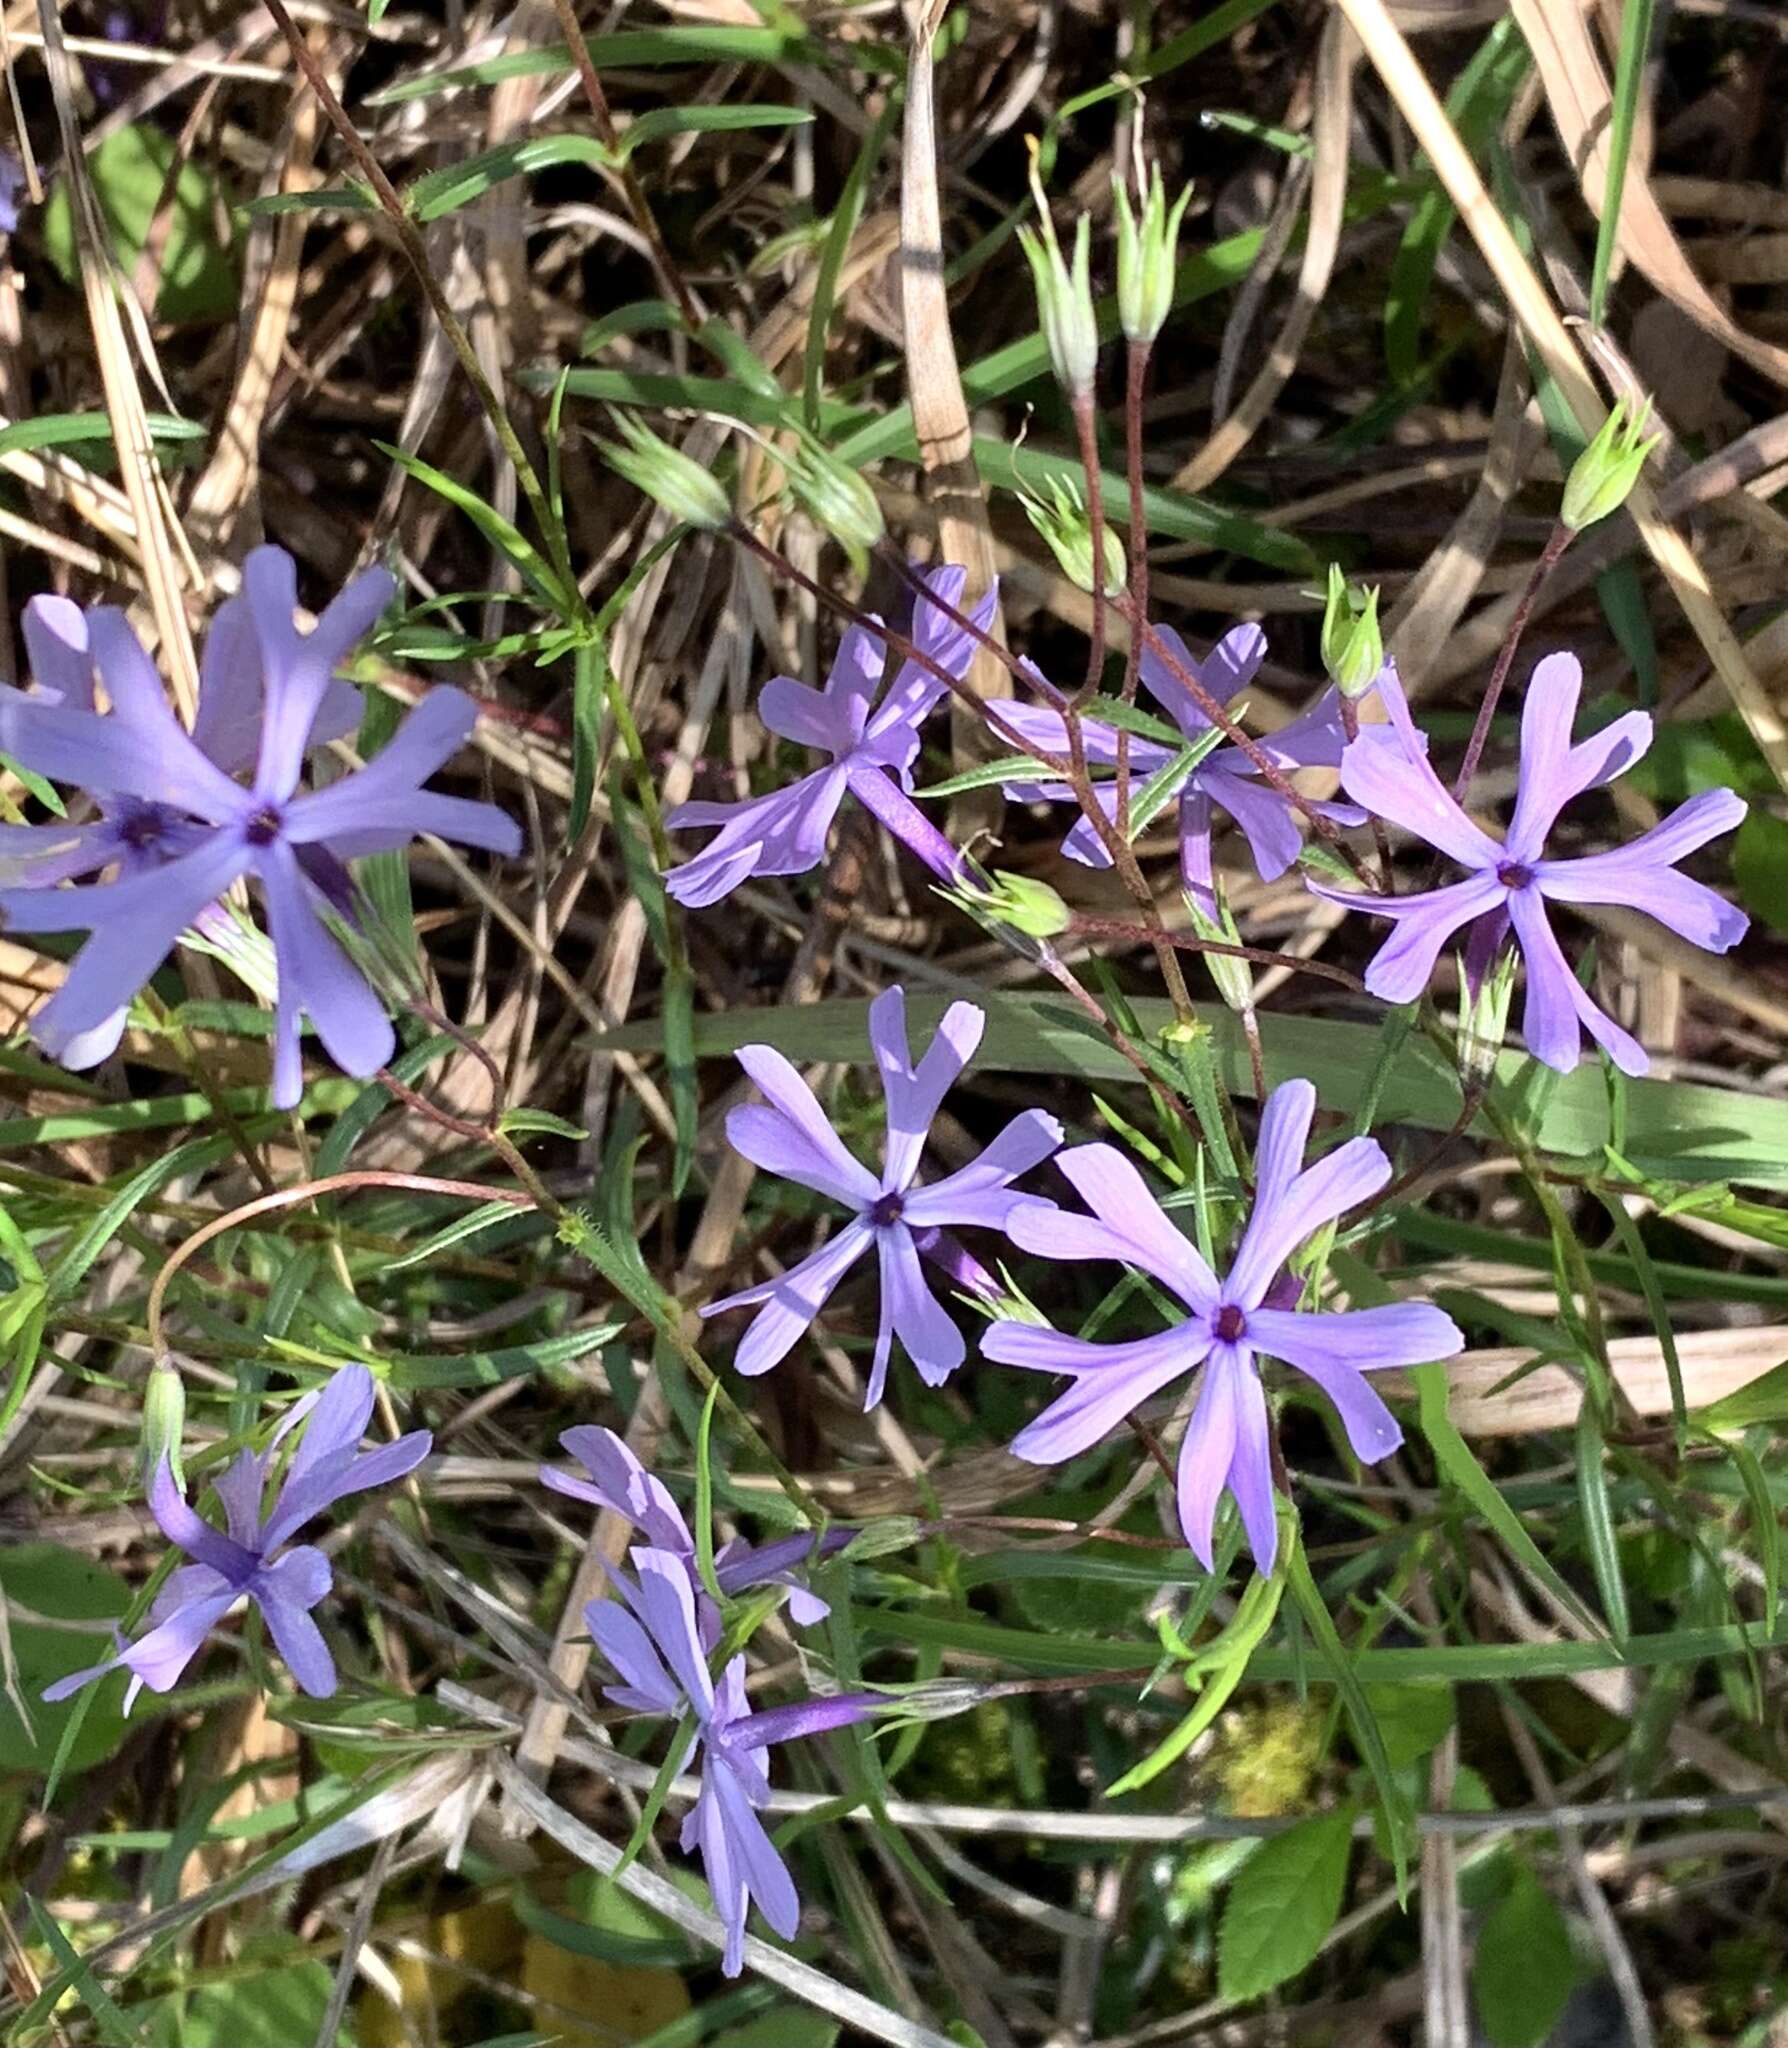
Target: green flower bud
pixel 1064 295
pixel 1147 251
pixel 1352 645
pixel 164 1421
pixel 1484 1019
pixel 1609 467
pixel 1234 978
pixel 1062 521
pixel 667 476
pixel 836 497
pixel 883 1538
pixel 1027 905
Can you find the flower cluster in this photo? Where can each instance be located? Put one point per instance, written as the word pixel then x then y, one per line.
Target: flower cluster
pixel 248 1559
pixel 178 826
pixel 661 1637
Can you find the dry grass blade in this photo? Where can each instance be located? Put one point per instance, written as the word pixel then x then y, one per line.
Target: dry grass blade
pixel 1541 323
pixel 1581 101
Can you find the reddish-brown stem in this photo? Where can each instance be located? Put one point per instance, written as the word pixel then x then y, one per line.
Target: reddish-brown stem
pixel 1086 429
pixel 1089 926
pixel 631 189
pixel 1381 839
pixel 1136 371
pixel 1556 542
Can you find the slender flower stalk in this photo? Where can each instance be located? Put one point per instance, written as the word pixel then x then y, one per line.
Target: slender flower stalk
pixel 1232 1322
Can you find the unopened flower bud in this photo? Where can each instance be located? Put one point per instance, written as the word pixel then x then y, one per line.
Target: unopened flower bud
pixel 1062 520
pixel 1027 905
pixel 1233 977
pixel 883 1538
pixel 1609 467
pixel 1148 246
pixel 667 476
pixel 164 1422
pixel 1484 1018
pixel 1352 645
pixel 836 497
pixel 1064 295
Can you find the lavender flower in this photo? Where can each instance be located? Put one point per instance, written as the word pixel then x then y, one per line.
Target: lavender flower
pixel 192 831
pixel 1510 884
pixel 656 1645
pixel 619 1483
pixel 788 1134
pixel 244 1560
pixel 1225 780
pixel 1248 1314
pixel 872 750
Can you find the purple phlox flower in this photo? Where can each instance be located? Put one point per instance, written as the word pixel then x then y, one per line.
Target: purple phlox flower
pixel 1225 780
pixel 1510 883
pixel 620 1483
pixel 1234 1321
pixel 12 183
pixel 131 834
pixel 872 748
pixel 267 691
pixel 788 1134
pixel 656 1646
pixel 248 1558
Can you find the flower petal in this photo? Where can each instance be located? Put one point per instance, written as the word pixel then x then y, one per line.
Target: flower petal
pixel 1251 1470
pixel 1557 1004
pixel 1207 1450
pixel 158 1659
pixel 666 1604
pixel 57 652
pixel 824 1163
pixel 621 1484
pixel 623 1642
pixel 914 1094
pixel 931 1340
pixel 1553 772
pixel 809 717
pixel 1289 1205
pixel 978 1192
pixel 317 977
pixel 1268 822
pixel 1337 1350
pixel 1689 908
pixel 1404 965
pixel 1127 1224
pixel 1110 1381
pixel 783 833
pixel 1387 770
pixel 791 1301
pixel 805 1717
pixel 188 1531
pixel 285 1594
pixel 191 782
pixel 297 668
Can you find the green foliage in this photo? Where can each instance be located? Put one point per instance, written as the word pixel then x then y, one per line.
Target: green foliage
pixel 274 2007
pixel 1284 1900
pixel 1524 1967
pixel 44 1584
pixel 130 171
pixel 1760 867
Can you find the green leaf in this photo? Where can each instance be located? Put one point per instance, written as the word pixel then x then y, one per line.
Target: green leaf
pixel 1676 1130
pixel 1524 1968
pixel 1629 79
pixel 507 538
pixel 631 49
pixel 515 1123
pixel 44 1579
pixel 1412 1719
pixel 276 2008
pixel 129 169
pixel 1760 867
pixel 789 2026
pixel 1284 1900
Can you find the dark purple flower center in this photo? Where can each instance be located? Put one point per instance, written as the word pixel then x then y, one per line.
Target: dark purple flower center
pixel 142 827
pixel 264 826
pixel 886 1210
pixel 1229 1324
pixel 1512 875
